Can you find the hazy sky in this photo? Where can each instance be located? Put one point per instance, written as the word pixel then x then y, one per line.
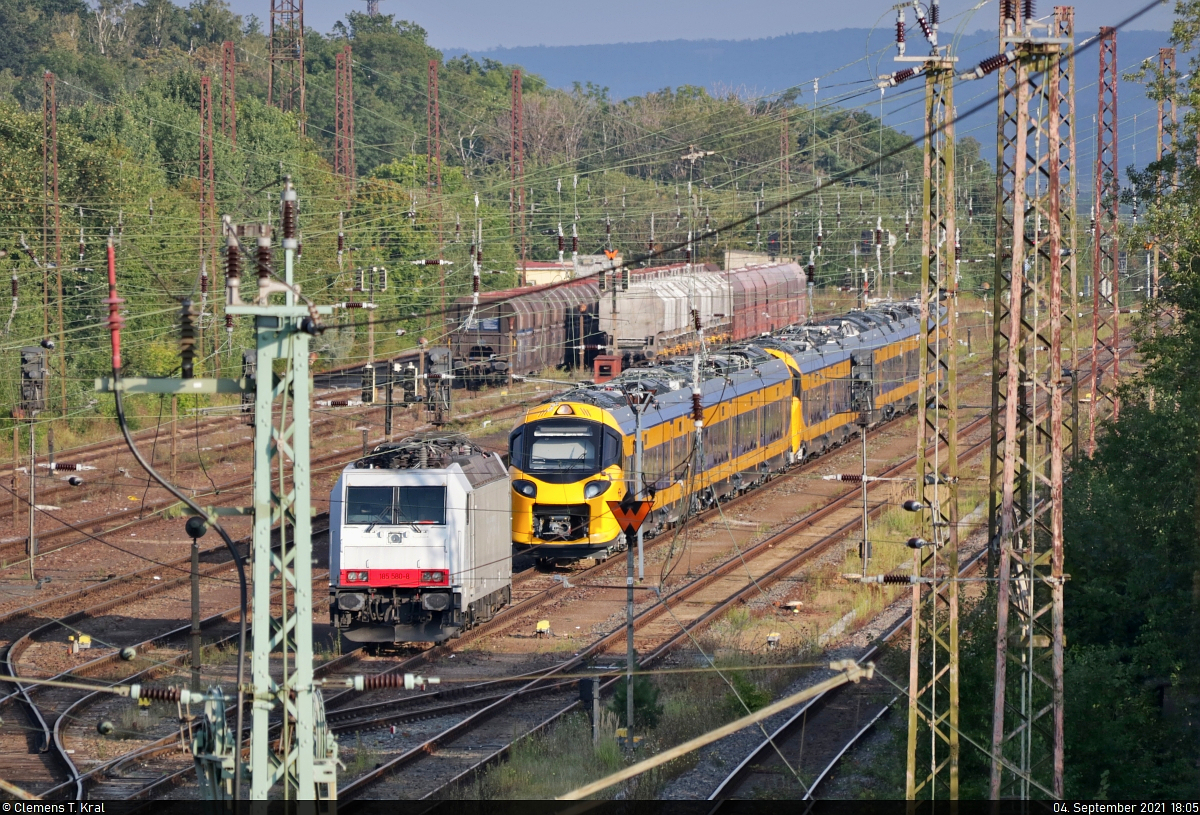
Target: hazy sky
pixel 475 24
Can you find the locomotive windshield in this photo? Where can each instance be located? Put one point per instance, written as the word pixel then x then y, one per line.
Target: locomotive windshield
pixel 564 450
pixel 395 505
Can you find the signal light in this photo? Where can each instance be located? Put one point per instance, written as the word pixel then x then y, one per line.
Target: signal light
pixel 564 410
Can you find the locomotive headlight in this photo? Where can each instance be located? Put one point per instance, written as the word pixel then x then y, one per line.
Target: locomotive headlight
pixel 594 489
pixel 526 488
pixel 362 577
pixel 431 577
pixel 351 577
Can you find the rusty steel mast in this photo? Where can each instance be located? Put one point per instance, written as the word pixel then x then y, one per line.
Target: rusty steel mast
pixel 1168 122
pixel 517 165
pixel 433 167
pixel 1105 264
pixel 52 223
pixel 343 162
pixel 208 205
pixel 229 93
pixel 1033 190
pixel 285 79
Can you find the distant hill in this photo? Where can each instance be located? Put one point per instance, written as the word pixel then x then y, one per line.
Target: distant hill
pixel 771 66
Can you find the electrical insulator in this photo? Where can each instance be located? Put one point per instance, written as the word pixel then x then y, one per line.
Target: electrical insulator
pixel 233 260
pixel 900 30
pixel 14 287
pixel 299 245
pixel 263 255
pixel 839 211
pixel 600 278
pixel 625 278
pixel 187 340
pixel 935 14
pixel 152 211
pixel 878 235
pixel 820 237
pixel 861 211
pixel 812 270
pixel 696 319
pixel 457 230
pixel 992 64
pixel 924 24
pixel 160 694
pixel 229 323
pixel 607 227
pixel 574 243
pixel 289 211
pixel 697 407
pixel 479 255
pixel 1029 9
pixel 82 248
pixel 970 210
pixel 475 283
pixel 562 242
pixel 907 224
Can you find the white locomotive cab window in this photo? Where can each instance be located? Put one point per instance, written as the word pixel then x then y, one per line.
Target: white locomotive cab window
pixel 366 506
pixel 563 448
pixel 369 505
pixel 421 505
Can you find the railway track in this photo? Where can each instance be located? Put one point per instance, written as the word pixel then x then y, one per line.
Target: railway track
pixel 531 589
pixel 486 702
pixel 527 585
pixel 460 751
pixel 823 730
pixel 70 533
pixel 31 637
pixel 850 711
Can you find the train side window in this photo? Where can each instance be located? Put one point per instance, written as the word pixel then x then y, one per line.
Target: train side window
pixel 613 443
pixel 516 448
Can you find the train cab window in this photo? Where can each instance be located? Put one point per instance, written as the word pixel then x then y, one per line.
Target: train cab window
pixel 516 448
pixel 366 506
pixel 420 505
pixel 564 447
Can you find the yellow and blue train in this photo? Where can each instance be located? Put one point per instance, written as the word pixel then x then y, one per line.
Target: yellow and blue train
pixel 767 405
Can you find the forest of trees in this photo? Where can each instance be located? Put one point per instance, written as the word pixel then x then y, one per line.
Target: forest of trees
pixel 127 81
